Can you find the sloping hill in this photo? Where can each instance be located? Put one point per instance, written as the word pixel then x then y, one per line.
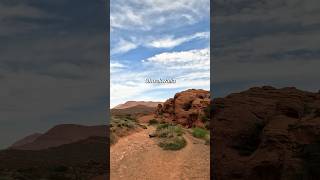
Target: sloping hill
pixel 130 104
pixel 26 140
pixel 133 111
pixel 63 134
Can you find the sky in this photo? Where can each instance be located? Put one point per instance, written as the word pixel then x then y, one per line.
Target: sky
pixel 52 65
pixel 158 39
pixel 265 42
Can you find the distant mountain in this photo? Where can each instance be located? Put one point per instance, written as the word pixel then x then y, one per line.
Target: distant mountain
pixel 130 104
pixel 59 135
pixel 133 111
pixel 26 140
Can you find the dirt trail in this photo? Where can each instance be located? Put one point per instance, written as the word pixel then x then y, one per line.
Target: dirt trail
pixel 138 157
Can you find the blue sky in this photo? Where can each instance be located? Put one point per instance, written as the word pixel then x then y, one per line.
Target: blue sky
pixel 158 39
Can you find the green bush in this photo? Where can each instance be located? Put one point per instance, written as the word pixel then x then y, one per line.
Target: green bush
pixel 162 126
pixel 175 143
pixel 166 130
pixel 153 121
pixel 170 137
pixel 199 133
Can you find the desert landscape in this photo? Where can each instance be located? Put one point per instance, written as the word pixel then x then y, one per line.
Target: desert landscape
pixel 266 133
pixel 64 152
pixel 162 140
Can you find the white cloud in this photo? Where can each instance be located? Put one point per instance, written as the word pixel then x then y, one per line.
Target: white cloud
pixel 170 42
pixel 166 42
pixel 189 68
pixel 123 46
pixel 116 66
pixel 192 59
pixel 148 14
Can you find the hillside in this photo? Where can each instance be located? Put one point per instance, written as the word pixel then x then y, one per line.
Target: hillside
pixel 26 140
pixel 85 158
pixel 130 104
pixel 133 111
pixel 59 135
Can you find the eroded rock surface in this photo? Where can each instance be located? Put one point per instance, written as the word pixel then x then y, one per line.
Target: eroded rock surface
pixel 267 134
pixel 188 108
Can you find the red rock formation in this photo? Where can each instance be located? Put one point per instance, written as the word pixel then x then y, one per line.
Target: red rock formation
pixel 263 133
pixel 187 108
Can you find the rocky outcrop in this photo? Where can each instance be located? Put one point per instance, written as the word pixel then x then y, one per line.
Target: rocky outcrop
pixel 188 108
pixel 266 133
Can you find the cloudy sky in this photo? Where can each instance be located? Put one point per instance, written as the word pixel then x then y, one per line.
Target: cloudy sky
pixel 265 42
pixel 158 39
pixel 52 65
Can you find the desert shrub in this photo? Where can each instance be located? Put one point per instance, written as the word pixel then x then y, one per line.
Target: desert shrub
pixel 199 132
pixel 153 121
pixel 162 126
pixel 170 137
pixel 169 131
pixel 175 143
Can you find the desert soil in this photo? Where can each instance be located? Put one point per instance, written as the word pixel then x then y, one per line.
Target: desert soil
pixel 138 157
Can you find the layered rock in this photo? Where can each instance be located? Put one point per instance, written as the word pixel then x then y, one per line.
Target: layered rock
pixel 188 108
pixel 266 133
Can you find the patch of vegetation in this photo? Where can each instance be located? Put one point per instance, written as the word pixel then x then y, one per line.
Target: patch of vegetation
pixel 202 134
pixel 170 137
pixel 175 143
pixel 199 132
pixel 168 131
pixel 153 122
pixel 122 126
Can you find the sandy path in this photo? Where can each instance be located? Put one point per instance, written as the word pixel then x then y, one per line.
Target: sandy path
pixel 138 157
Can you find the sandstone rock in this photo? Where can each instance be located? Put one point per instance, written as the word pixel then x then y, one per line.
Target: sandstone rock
pixel 263 133
pixel 186 108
